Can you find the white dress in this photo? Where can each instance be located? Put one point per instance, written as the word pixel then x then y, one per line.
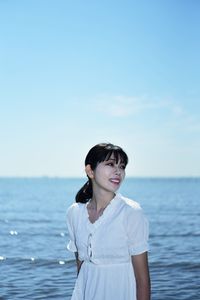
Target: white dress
pixel 106 247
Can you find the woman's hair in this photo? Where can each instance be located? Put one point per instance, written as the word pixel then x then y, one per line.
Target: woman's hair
pixel 99 153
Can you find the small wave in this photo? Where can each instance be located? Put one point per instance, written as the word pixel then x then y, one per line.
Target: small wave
pixel 185 264
pixel 36 261
pixel 29 221
pixel 34 234
pixel 176 235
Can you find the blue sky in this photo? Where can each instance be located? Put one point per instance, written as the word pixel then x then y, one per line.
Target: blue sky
pixel 75 73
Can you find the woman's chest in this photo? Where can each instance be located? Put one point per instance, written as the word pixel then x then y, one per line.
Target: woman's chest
pixel 109 232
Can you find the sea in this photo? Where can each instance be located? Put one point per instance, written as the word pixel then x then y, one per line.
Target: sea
pixel 35 263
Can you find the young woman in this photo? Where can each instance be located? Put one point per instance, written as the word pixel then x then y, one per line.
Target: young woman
pixel 108 233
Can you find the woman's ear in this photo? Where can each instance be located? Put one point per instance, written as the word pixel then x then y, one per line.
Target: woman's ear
pixel 89 171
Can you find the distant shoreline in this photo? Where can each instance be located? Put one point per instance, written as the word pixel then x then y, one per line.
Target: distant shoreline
pixel 83 178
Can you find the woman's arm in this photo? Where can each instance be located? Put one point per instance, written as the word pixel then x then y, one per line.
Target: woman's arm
pixel 142 277
pixel 78 262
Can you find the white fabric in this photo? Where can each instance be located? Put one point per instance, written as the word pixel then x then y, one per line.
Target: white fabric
pixel 106 247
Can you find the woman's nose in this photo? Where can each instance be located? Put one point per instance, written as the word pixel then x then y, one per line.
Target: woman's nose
pixel 117 170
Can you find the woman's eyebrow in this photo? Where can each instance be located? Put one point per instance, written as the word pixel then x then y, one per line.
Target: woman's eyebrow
pixel 114 160
pixel 111 159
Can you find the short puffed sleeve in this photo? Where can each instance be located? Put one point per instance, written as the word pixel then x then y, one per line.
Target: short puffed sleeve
pixel 137 230
pixel 71 212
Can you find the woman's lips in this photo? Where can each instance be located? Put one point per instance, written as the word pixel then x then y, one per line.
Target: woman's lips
pixel 115 180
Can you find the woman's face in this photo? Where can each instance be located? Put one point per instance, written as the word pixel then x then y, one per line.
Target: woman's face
pixel 109 175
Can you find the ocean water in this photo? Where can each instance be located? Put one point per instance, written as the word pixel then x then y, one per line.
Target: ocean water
pixel 34 261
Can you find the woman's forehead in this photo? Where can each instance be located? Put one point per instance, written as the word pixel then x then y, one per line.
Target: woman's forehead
pixel 114 157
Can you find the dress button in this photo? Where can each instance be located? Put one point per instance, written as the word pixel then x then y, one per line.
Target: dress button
pixel 90 246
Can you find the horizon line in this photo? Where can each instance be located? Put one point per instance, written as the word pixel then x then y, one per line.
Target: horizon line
pixel 81 177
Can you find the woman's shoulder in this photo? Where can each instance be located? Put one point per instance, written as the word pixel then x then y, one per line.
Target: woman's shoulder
pixel 130 204
pixel 133 212
pixel 75 208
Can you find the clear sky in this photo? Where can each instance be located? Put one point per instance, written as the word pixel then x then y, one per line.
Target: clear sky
pixel 75 73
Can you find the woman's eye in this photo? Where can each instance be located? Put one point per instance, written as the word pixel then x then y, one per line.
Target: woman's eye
pixel 122 167
pixel 110 164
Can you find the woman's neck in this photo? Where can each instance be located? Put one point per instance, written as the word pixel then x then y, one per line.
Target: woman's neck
pixel 101 200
